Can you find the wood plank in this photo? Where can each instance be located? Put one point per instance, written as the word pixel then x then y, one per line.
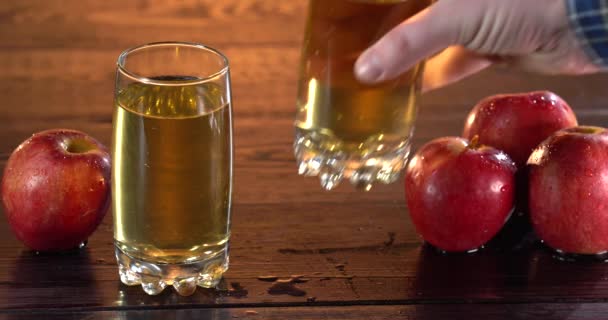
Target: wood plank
pixel 587 311
pixel 119 24
pixel 367 254
pixel 262 117
pixel 79 83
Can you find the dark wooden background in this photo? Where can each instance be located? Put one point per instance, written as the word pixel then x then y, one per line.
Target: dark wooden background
pixel 358 250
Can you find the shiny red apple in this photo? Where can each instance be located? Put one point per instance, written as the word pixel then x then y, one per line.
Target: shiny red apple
pixel 56 189
pixel 517 123
pixel 459 194
pixel 568 190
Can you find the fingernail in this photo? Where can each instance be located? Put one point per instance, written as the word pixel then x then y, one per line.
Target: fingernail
pixel 368 68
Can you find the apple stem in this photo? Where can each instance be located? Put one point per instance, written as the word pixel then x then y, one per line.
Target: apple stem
pixel 474 142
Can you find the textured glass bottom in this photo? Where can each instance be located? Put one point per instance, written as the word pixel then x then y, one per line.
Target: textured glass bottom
pixel 574 257
pixel 184 277
pixel 375 160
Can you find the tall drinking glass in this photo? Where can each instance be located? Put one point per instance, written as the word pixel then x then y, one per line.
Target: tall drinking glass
pixel 346 129
pixel 172 166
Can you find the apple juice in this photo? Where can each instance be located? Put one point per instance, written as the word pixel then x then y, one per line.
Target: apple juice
pixel 340 120
pixel 171 206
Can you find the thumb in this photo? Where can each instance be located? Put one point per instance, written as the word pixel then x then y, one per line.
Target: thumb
pixel 419 37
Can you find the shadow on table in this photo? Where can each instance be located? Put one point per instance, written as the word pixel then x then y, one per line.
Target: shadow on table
pixel 44 280
pixel 185 314
pixel 134 296
pixel 501 283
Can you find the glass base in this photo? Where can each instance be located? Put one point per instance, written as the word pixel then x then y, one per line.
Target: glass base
pixel 184 277
pixel 575 257
pixel 370 162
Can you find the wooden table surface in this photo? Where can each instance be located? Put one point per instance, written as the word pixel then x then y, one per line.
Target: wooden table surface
pixel 358 250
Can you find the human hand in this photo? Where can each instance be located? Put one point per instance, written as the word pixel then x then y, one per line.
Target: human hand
pixel 533 35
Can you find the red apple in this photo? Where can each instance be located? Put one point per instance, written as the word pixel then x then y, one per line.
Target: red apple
pixel 568 190
pixel 459 195
pixel 56 189
pixel 517 123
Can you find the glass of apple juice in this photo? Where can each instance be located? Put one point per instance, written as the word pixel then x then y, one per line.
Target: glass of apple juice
pixel 172 155
pixel 344 129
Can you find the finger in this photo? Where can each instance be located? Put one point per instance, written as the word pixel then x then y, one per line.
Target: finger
pixel 400 49
pixel 453 64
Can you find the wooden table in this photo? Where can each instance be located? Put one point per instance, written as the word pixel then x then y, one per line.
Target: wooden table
pixel 358 250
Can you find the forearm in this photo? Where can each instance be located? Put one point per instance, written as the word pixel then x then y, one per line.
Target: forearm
pixel 589 20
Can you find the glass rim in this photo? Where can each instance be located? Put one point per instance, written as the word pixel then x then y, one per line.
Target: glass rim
pixel 137 77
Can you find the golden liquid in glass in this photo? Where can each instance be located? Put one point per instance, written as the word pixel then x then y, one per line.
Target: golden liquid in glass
pixel 172 171
pixel 331 101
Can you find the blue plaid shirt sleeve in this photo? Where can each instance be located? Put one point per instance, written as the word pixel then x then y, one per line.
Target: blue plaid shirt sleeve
pixel 590 21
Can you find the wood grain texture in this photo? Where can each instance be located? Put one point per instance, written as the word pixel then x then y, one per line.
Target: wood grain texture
pixel 558 311
pixel 358 250
pixel 366 255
